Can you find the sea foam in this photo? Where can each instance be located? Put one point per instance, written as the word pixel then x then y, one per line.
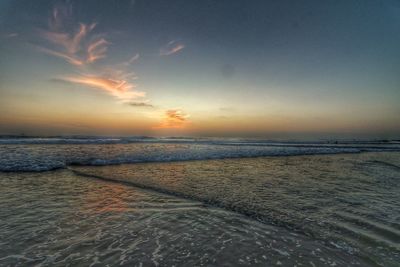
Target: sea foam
pixel 49 154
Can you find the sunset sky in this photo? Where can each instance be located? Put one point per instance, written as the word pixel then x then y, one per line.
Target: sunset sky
pixel 273 69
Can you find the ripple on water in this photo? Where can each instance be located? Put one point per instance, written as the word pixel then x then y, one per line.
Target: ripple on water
pixel 58 218
pixel 349 201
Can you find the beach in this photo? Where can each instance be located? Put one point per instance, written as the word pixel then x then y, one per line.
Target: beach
pixel 199 133
pixel 297 210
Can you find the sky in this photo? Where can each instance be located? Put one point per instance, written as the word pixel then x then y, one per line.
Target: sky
pixel 215 68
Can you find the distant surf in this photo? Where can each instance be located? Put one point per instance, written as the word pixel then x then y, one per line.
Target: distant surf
pixel 45 154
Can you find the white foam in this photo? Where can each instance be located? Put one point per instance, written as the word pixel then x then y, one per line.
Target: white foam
pixel 45 154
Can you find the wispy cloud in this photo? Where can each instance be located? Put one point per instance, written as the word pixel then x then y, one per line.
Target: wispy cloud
pixel 119 88
pixel 76 48
pixel 96 50
pixel 80 47
pixel 132 60
pixel 171 48
pixel 174 118
pixel 141 104
pixel 70 42
pixel 70 59
pixel 10 35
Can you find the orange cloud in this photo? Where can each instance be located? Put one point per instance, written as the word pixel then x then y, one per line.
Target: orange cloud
pixel 171 48
pixel 174 118
pixel 70 59
pixel 81 48
pixel 70 42
pixel 73 47
pixel 121 89
pixel 96 50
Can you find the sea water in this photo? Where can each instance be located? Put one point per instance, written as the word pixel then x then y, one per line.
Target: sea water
pixel 164 202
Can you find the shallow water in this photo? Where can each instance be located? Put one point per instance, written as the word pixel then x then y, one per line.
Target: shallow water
pixel 347 201
pixel 310 210
pixel 58 218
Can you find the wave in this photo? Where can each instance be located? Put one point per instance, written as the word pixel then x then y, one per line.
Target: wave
pixel 5 140
pixel 45 157
pixel 49 141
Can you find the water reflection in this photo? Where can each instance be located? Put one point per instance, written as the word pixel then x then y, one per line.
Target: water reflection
pixel 108 197
pixel 60 219
pixel 306 193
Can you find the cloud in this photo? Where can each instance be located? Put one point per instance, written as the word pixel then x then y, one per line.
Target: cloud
pixel 70 42
pixel 70 59
pixel 119 88
pixel 96 50
pixel 176 115
pixel 77 45
pixel 140 104
pixel 171 48
pixel 174 118
pixel 10 35
pixel 61 13
pixel 132 59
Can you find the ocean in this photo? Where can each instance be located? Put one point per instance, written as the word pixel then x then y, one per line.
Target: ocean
pixel 198 202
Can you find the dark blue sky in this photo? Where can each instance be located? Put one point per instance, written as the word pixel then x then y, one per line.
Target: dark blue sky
pixel 248 68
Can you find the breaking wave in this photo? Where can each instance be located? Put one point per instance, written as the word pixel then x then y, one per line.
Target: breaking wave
pixel 44 154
